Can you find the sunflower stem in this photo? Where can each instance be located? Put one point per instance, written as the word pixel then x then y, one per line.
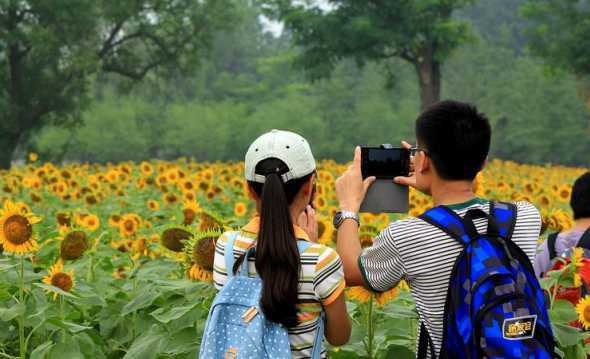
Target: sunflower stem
pixel 370 328
pixel 62 316
pixel 90 272
pixel 21 300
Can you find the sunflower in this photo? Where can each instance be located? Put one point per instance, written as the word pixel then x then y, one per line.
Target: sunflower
pixel 210 220
pixel 153 204
pixel 129 224
pixel 186 185
pixel 60 279
pixel 321 203
pixel 577 257
pixel 33 157
pixel 90 199
pixel 114 220
pixel 16 230
pixel 197 273
pixel 583 310
pixel 146 169
pixel 189 212
pixel 359 294
pixel 390 295
pixel 325 231
pixel 201 248
pixel 170 198
pixel 240 209
pixel 91 222
pixel 564 192
pixel 64 219
pixel 189 196
pixel 173 238
pixel 73 245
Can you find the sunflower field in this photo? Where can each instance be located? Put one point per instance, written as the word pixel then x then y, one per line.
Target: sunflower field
pixel 115 260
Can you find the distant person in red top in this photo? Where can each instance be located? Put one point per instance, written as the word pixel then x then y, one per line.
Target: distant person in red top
pixel 577 236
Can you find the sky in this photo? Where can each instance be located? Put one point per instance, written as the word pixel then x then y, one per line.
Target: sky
pixel 276 27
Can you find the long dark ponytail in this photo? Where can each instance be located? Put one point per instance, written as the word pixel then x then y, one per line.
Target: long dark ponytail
pixel 277 257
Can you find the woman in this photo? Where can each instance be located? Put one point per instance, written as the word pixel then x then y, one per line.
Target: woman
pixel 297 288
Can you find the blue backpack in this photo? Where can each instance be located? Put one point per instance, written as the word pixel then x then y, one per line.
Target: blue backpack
pixel 236 326
pixel 495 307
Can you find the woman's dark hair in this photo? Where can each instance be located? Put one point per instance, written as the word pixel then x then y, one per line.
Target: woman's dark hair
pixel 277 256
pixel 457 137
pixel 580 200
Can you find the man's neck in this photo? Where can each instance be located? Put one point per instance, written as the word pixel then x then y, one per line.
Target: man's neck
pixel 581 224
pixel 452 192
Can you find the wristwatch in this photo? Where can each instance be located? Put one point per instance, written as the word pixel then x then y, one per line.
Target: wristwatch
pixel 341 216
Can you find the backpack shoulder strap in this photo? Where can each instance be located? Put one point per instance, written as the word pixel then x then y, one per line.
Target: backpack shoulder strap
pixel 505 215
pixel 551 239
pixel 584 241
pixel 229 253
pixel 448 221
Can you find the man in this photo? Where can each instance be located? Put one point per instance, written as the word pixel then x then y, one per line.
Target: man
pixel 580 203
pixel 453 141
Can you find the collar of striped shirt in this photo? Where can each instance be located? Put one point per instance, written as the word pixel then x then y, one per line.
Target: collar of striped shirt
pixel 254 227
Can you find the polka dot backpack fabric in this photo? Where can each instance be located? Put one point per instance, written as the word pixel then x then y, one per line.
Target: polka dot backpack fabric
pixel 236 326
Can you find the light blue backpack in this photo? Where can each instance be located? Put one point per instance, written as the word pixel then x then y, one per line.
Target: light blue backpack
pixel 236 326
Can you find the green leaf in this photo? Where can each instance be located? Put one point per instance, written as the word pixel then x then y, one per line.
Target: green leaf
pixel 146 346
pixel 144 299
pixel 566 335
pixel 165 316
pixel 68 349
pixel 54 289
pixel 399 352
pixel 182 342
pixel 563 312
pixel 8 314
pixel 42 351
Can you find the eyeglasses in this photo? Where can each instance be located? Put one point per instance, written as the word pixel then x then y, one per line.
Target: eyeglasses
pixel 415 150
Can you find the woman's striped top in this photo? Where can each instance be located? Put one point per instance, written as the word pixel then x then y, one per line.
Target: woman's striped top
pixel 321 281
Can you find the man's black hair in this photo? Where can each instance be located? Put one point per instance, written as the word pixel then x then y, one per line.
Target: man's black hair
pixel 580 200
pixel 456 137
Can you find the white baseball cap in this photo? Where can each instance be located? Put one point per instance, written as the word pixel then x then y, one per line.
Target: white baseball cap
pixel 286 146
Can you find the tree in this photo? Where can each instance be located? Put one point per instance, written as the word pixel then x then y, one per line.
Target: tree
pixel 423 33
pixel 559 31
pixel 50 49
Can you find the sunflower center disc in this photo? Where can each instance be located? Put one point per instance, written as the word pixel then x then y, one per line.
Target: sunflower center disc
pixel 62 281
pixel 587 314
pixel 17 229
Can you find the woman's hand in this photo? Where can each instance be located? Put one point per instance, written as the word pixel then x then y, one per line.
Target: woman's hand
pixel 350 187
pixel 308 222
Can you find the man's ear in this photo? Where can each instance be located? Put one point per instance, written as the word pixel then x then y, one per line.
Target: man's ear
pixel 425 163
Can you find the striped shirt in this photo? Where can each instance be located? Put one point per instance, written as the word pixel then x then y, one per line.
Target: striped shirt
pixel 321 282
pixel 424 255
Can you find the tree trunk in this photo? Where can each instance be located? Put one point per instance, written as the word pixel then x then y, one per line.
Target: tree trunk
pixel 8 143
pixel 428 71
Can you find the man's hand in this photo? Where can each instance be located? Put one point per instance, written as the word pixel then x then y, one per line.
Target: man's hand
pixel 411 179
pixel 350 187
pixel 308 222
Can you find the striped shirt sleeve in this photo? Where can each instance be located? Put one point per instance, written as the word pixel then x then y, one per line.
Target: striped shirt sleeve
pixel 328 281
pixel 219 270
pixel 381 264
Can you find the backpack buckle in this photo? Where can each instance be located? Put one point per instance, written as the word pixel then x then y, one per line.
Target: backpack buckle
pixel 249 314
pixel 232 353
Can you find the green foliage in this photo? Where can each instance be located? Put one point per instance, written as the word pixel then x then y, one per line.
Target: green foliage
pixel 423 33
pixel 249 86
pixel 560 32
pixel 49 49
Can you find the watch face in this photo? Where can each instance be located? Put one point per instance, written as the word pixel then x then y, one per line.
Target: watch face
pixel 337 219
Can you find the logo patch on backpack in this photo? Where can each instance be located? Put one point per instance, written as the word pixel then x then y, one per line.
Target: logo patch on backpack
pixel 519 328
